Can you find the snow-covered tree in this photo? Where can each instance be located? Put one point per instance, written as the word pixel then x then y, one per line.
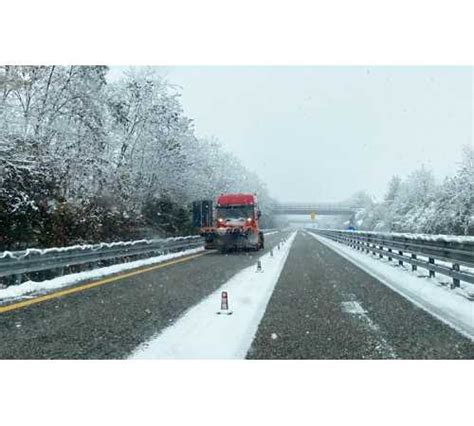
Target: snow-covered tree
pixel 418 204
pixel 83 159
pixel 453 211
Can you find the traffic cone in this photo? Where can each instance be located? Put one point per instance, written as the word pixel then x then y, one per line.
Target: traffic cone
pixel 259 266
pixel 224 304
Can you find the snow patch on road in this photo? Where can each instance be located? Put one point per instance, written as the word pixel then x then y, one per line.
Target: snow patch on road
pixel 355 308
pixel 202 334
pixel 447 306
pixel 29 287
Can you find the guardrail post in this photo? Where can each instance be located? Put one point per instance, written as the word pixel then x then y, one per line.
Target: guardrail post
pixel 400 261
pixel 413 267
pixel 431 261
pixel 456 282
pixel 389 257
pixel 381 254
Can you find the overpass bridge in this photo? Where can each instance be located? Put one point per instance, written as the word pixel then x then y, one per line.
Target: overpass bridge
pixel 321 209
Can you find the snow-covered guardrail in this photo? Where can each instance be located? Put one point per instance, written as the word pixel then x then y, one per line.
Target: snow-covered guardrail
pixel 16 264
pixel 445 254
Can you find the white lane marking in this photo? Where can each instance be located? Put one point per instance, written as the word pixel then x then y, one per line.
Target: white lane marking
pixel 201 334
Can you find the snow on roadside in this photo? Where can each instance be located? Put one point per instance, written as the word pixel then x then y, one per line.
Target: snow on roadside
pixel 442 303
pixel 29 287
pixel 202 334
pixel 23 253
pixel 412 236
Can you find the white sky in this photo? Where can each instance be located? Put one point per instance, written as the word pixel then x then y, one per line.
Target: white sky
pixel 323 133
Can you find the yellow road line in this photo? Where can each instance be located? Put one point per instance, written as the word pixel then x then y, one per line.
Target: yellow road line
pixel 93 284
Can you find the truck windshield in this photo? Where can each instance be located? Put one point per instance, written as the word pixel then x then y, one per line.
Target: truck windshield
pixel 235 212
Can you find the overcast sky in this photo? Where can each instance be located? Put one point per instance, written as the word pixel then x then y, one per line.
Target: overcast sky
pixel 323 133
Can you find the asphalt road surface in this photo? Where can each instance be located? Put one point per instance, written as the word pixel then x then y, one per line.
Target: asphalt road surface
pixel 323 307
pixel 109 321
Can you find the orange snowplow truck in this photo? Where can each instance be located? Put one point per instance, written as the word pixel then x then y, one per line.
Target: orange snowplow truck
pixel 236 225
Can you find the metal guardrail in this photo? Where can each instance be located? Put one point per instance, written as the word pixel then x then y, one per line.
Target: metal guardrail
pixel 409 249
pixel 57 259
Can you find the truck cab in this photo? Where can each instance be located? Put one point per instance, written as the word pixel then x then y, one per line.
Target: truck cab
pixel 236 224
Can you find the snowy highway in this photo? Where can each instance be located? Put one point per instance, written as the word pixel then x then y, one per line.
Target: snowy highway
pixel 111 320
pixel 325 307
pixel 309 302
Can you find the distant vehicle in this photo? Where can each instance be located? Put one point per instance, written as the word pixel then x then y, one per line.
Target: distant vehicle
pixel 234 223
pixel 350 228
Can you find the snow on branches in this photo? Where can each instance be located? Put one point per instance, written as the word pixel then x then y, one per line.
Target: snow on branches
pixel 83 159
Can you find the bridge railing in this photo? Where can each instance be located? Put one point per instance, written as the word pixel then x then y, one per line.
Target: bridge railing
pixel 39 264
pixel 319 209
pixel 310 206
pixel 447 255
